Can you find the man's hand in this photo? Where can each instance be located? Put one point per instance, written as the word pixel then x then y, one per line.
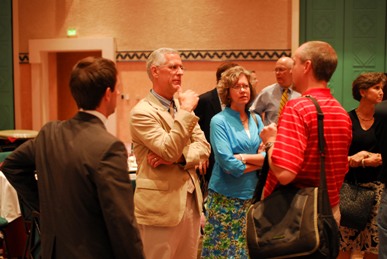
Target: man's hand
pixel 188 100
pixel 269 133
pixel 155 160
pixel 202 167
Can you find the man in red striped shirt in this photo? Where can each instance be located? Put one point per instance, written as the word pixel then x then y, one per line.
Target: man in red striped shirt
pixel 293 150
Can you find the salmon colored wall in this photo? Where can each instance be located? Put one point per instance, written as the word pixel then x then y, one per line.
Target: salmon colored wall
pixel 150 24
pixel 25 95
pixel 193 25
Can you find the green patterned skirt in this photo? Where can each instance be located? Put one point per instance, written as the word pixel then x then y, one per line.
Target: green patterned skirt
pixel 224 232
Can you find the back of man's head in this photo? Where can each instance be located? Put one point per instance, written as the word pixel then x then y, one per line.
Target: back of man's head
pixel 323 57
pixel 223 67
pixel 89 80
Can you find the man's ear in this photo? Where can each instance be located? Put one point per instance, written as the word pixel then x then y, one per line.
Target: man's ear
pixel 108 94
pixel 155 71
pixel 307 66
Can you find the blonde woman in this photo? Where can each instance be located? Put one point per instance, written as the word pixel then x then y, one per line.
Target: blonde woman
pixel 234 137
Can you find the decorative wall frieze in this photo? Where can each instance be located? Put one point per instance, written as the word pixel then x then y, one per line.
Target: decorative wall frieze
pixel 212 55
pixel 23 58
pixel 198 55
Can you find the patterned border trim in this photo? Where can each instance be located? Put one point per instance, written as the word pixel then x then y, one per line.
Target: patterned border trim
pixel 199 55
pixel 24 58
pixel 211 55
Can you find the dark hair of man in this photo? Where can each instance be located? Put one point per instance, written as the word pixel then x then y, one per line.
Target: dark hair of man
pixel 365 81
pixel 89 80
pixel 223 67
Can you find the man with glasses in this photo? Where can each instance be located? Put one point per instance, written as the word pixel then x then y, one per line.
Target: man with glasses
pixel 269 100
pixel 169 145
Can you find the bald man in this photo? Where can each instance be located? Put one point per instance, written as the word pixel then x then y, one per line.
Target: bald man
pixel 267 103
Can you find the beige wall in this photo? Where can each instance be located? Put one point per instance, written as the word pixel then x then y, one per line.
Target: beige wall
pixel 150 24
pixel 147 25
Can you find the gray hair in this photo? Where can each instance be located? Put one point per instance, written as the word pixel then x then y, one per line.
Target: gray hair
pixel 157 58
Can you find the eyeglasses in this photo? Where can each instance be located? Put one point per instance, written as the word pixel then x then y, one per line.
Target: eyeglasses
pixel 240 87
pixel 174 68
pixel 280 70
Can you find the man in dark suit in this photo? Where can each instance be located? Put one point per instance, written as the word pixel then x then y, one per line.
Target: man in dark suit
pixel 83 191
pixel 209 105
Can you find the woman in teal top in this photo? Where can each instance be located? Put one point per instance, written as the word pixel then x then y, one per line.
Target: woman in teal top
pixel 228 137
pixel 234 136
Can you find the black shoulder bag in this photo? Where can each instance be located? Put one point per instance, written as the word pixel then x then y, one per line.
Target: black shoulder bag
pixel 294 222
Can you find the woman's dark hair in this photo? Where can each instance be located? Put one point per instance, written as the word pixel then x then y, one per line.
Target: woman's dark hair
pixel 365 81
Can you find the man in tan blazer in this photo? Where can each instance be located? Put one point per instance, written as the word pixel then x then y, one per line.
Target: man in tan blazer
pixel 169 145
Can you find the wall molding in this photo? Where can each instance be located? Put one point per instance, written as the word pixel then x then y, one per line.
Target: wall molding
pixel 24 58
pixel 197 55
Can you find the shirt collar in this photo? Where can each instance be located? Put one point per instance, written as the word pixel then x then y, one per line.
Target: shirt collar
pixel 165 102
pixel 318 92
pixel 289 88
pixel 96 114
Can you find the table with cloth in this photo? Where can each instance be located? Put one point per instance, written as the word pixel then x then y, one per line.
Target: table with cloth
pixel 9 203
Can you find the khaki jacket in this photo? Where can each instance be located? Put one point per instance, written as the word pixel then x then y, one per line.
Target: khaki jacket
pixel 161 192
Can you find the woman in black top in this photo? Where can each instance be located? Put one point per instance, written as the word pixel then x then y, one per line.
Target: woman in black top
pixel 364 160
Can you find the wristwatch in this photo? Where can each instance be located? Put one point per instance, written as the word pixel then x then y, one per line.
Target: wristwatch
pixel 268 145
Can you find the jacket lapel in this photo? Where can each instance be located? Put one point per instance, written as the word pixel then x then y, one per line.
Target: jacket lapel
pixel 160 109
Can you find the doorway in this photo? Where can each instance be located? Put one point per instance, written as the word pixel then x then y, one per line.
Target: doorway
pixel 51 62
pixel 63 106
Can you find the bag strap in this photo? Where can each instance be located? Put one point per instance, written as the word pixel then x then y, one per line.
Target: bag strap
pixel 321 141
pixel 324 206
pixel 262 176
